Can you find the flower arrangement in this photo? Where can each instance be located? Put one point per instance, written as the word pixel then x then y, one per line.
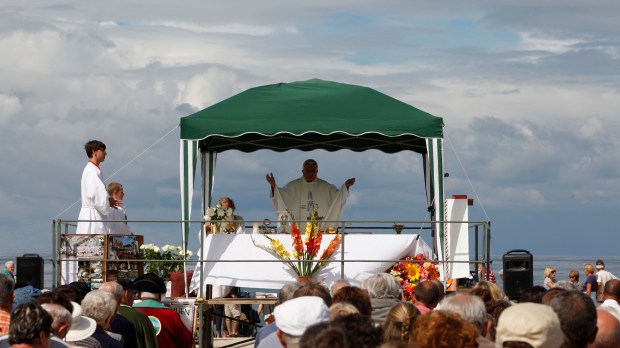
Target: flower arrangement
pixel 216 215
pixel 412 271
pixel 173 256
pixel 305 248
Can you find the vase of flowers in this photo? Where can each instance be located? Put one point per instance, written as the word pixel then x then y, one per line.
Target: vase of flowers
pixel 215 216
pixel 165 260
pixel 412 271
pixel 305 248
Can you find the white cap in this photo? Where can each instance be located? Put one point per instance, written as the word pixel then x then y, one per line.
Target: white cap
pixel 296 315
pixel 531 323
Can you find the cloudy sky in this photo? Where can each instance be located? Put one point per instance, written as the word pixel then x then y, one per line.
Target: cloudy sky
pixel 529 93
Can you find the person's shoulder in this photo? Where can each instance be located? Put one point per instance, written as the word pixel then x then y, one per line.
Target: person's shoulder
pixel 58 343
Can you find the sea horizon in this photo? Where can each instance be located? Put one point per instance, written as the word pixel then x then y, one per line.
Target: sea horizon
pixel 562 263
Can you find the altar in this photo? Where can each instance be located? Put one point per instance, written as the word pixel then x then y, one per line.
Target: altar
pixel 235 260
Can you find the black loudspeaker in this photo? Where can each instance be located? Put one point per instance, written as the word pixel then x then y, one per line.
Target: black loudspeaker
pixel 518 272
pixel 29 270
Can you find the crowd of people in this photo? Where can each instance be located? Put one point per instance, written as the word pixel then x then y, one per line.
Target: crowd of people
pixel 374 315
pixel 593 285
pixel 118 314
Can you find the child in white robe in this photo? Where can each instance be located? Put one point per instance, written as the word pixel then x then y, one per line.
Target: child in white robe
pixel 115 190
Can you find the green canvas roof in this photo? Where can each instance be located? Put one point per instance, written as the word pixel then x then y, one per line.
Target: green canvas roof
pixel 310 115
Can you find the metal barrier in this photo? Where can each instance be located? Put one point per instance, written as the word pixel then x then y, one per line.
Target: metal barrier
pixel 481 238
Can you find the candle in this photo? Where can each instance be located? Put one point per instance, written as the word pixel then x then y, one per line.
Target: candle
pixel 255 227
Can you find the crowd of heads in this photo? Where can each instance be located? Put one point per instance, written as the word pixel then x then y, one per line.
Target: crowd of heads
pixel 480 316
pixel 74 312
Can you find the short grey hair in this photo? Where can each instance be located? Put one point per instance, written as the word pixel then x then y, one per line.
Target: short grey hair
pixel 9 263
pixel 6 290
pixel 469 307
pixel 287 291
pixel 99 305
pixel 59 314
pixel 382 285
pixel 114 288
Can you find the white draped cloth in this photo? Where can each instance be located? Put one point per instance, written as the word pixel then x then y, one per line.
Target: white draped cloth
pixel 370 251
pixel 301 198
pixel 95 202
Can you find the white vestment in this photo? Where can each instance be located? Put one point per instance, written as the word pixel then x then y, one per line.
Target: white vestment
pixel 95 202
pixel 301 197
pixel 118 213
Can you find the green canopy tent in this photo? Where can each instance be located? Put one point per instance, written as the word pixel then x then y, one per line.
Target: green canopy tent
pixel 310 115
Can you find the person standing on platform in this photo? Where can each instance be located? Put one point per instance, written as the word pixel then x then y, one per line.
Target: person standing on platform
pixel 9 270
pixel 96 204
pixel 302 196
pixel 115 190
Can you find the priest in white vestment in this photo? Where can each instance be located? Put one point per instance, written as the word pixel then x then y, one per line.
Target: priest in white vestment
pixel 301 196
pixel 96 203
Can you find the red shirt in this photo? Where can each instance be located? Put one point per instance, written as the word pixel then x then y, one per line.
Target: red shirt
pixel 170 330
pixel 5 321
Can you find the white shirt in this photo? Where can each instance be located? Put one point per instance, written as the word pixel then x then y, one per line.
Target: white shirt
pixel 95 202
pixel 612 307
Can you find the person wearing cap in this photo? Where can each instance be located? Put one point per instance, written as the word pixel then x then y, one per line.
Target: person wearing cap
pixel 286 293
pixel 602 277
pixel 170 330
pixel 145 333
pixel 532 323
pixel 82 329
pixel 294 316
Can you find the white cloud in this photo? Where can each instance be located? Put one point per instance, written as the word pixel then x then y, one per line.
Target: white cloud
pixel 9 106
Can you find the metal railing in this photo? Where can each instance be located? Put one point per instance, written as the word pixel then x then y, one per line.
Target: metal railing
pixel 481 240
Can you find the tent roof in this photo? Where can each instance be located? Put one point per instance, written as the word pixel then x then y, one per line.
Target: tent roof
pixel 310 115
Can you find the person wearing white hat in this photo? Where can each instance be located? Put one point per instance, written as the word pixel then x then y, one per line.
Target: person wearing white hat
pixel 532 323
pixel 82 328
pixel 602 277
pixel 294 316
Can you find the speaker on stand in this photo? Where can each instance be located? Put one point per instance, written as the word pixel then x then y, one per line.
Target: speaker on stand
pixel 29 270
pixel 518 272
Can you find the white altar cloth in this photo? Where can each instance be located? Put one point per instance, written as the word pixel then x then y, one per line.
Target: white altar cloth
pixel 273 275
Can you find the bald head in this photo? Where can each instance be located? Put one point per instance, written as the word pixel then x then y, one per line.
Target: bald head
pixel 608 334
pixel 611 291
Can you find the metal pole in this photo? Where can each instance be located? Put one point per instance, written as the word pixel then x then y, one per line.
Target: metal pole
pixel 476 246
pixel 54 249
